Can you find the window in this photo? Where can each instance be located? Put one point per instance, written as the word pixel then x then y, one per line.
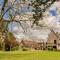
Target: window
pixel 54 47
pixel 54 41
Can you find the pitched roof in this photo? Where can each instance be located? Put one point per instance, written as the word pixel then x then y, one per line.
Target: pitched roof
pixel 28 43
pixel 56 34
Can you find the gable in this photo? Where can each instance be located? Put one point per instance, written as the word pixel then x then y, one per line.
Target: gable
pixel 52 36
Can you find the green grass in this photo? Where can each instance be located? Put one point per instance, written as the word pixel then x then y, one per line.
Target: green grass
pixel 30 55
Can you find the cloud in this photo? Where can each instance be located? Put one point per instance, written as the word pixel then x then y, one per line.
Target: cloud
pixel 52 20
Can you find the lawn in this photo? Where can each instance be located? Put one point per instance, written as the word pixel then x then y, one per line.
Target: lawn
pixel 30 55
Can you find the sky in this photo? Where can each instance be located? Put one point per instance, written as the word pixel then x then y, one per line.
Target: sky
pixel 53 20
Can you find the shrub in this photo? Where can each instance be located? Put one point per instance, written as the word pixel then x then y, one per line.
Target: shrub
pixel 50 48
pixel 15 48
pixel 24 49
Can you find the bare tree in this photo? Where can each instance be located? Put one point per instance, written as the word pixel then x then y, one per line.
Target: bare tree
pixel 14 9
pixel 40 6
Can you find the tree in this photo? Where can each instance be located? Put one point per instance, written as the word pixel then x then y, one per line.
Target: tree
pixel 40 6
pixel 11 42
pixel 4 23
pixel 13 11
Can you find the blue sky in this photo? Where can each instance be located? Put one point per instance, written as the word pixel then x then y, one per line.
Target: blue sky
pixel 52 12
pixel 1 1
pixel 24 9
